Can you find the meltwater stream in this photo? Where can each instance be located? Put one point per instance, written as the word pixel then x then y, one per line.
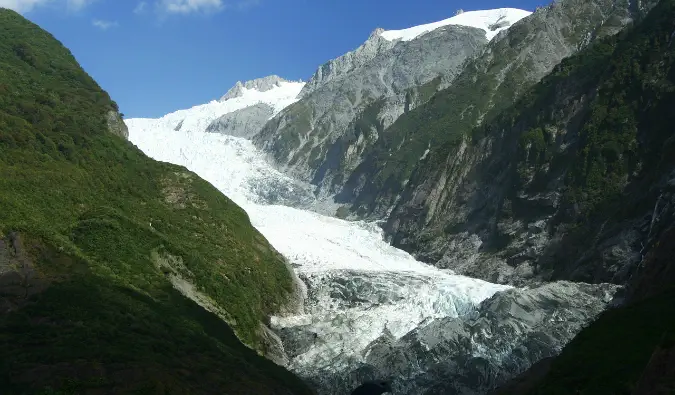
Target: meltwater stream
pixel 372 310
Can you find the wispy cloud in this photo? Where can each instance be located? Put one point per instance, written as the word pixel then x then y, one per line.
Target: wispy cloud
pixel 244 4
pixel 76 5
pixel 190 6
pixel 141 7
pixel 24 6
pixel 104 25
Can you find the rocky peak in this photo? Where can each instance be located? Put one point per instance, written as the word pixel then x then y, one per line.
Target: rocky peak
pixel 335 68
pixel 260 84
pixel 376 33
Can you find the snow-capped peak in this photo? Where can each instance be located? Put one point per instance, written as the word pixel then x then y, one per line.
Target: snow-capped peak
pixel 491 21
pixel 259 84
pixel 274 91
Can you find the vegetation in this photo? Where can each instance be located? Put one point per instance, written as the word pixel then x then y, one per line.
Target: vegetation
pixel 479 92
pixel 623 147
pixel 299 124
pixel 105 230
pixel 609 109
pixel 487 86
pixel 610 356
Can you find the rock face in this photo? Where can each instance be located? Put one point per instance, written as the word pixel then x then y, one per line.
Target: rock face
pixel 412 156
pixel 337 109
pixel 19 279
pixel 342 134
pixel 245 123
pixel 261 85
pixel 506 68
pixel 335 68
pixel 116 125
pixel 474 352
pixel 510 203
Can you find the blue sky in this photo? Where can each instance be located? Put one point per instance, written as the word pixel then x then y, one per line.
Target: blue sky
pixel 158 56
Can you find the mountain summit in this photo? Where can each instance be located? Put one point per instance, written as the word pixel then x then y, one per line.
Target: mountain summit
pixel 259 84
pixel 491 21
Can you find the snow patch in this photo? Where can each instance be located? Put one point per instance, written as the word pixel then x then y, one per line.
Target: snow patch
pixel 492 21
pixel 198 118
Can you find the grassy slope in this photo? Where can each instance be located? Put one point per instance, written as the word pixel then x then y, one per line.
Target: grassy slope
pixel 92 211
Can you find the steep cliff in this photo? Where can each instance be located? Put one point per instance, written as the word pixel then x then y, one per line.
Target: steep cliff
pixel 308 138
pixel 618 185
pixel 528 195
pixel 486 85
pixel 119 274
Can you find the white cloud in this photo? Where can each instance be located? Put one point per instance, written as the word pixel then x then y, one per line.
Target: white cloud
pixel 243 4
pixel 77 5
pixel 23 6
pixel 140 7
pixel 104 25
pixel 190 6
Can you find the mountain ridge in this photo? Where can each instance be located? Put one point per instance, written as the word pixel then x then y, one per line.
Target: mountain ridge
pixel 378 43
pixel 262 84
pixel 119 274
pixel 537 157
pixel 492 21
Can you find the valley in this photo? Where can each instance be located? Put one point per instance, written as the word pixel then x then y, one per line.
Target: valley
pixel 479 205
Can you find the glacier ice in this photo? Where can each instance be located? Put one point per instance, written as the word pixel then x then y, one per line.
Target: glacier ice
pixel 371 310
pixel 358 284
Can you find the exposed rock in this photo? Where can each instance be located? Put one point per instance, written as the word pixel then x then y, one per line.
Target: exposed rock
pixel 488 84
pixel 116 124
pixel 491 190
pixel 321 138
pixel 261 85
pixel 347 63
pixel 19 278
pixel 245 123
pixel 475 353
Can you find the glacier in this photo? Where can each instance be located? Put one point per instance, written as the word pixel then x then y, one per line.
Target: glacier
pixel 396 291
pixel 370 310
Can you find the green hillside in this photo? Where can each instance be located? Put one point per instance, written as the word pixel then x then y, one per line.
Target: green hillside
pixel 92 235
pixel 621 164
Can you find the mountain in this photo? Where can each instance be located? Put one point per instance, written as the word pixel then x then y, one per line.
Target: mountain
pixel 481 198
pixel 380 41
pixel 249 105
pixel 612 108
pixel 525 164
pixel 569 177
pixel 532 150
pixel 426 188
pixel 538 156
pixel 119 274
pixel 321 138
pixel 372 311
